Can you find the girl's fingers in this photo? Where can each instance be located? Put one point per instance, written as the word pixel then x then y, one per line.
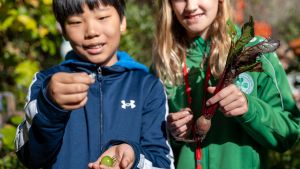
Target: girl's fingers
pixel 180 130
pixel 230 90
pixel 181 122
pixel 218 97
pixel 183 135
pixel 228 100
pixel 235 104
pixel 211 89
pixel 236 112
pixel 179 115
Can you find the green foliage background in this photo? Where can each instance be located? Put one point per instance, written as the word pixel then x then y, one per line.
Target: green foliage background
pixel 30 41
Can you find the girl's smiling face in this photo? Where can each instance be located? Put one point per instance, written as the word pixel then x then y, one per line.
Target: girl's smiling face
pixel 195 16
pixel 95 34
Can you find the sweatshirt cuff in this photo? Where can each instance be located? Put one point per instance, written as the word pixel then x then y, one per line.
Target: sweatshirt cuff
pixel 48 108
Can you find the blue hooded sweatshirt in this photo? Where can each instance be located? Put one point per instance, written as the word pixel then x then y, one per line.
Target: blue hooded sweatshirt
pixel 126 104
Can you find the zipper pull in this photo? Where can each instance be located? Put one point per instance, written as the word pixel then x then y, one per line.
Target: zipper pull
pixel 99 70
pixel 99 73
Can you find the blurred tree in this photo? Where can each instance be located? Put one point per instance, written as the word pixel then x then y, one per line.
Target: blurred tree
pixel 29 41
pixel 137 40
pixel 283 16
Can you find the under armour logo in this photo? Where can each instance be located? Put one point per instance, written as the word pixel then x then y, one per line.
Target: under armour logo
pixel 131 104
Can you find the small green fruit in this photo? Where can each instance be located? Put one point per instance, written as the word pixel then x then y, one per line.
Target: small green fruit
pixel 107 161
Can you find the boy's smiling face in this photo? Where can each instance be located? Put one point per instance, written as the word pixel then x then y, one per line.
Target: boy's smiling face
pixel 95 34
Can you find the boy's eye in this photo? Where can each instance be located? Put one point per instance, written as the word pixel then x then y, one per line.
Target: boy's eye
pixel 74 22
pixel 103 17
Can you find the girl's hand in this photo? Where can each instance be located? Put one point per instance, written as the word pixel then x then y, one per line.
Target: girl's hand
pixel 123 154
pixel 69 90
pixel 179 123
pixel 231 100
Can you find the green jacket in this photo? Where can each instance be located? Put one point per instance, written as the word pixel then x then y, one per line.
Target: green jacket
pixel 272 121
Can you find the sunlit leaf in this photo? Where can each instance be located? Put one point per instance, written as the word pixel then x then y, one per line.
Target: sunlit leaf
pixel 34 3
pixel 231 29
pixel 7 23
pixel 12 12
pixel 47 2
pixel 8 132
pixel 43 31
pixel 25 71
pixel 27 21
pixel 16 120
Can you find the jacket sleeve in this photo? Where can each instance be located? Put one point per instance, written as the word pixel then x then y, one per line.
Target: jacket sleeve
pixel 273 117
pixel 39 136
pixel 153 150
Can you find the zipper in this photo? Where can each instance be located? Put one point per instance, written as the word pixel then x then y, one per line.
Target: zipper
pixel 100 78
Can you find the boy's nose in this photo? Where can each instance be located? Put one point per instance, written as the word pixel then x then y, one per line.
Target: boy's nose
pixel 91 31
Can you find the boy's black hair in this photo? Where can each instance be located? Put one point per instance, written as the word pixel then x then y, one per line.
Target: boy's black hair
pixel 65 8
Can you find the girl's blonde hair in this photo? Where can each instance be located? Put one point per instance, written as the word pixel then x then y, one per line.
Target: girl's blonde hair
pixel 171 42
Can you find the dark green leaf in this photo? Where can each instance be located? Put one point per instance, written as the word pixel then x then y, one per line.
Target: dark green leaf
pixel 247 35
pixel 250 54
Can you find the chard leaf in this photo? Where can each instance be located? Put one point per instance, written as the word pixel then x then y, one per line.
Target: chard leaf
pixel 241 59
pixel 249 54
pixel 247 35
pixel 231 30
pixel 254 67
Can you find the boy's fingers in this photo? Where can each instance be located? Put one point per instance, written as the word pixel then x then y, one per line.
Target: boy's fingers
pixel 68 78
pixel 71 88
pixel 124 163
pixel 93 166
pixel 71 98
pixel 126 154
pixel 75 105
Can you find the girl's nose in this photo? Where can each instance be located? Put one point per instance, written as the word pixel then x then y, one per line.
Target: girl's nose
pixel 191 6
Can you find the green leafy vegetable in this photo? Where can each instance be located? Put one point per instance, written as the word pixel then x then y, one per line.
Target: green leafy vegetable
pixel 240 59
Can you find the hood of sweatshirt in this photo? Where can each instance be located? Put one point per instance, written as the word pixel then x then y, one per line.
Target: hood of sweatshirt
pixel 125 61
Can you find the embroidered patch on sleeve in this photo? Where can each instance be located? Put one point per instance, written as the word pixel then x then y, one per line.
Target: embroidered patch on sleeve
pixel 245 82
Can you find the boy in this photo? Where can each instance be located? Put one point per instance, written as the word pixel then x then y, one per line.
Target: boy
pixel 98 102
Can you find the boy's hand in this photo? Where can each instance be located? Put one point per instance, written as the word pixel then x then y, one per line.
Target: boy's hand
pixel 123 154
pixel 69 90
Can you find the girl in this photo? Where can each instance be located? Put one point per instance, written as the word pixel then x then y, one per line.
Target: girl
pixel 256 113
